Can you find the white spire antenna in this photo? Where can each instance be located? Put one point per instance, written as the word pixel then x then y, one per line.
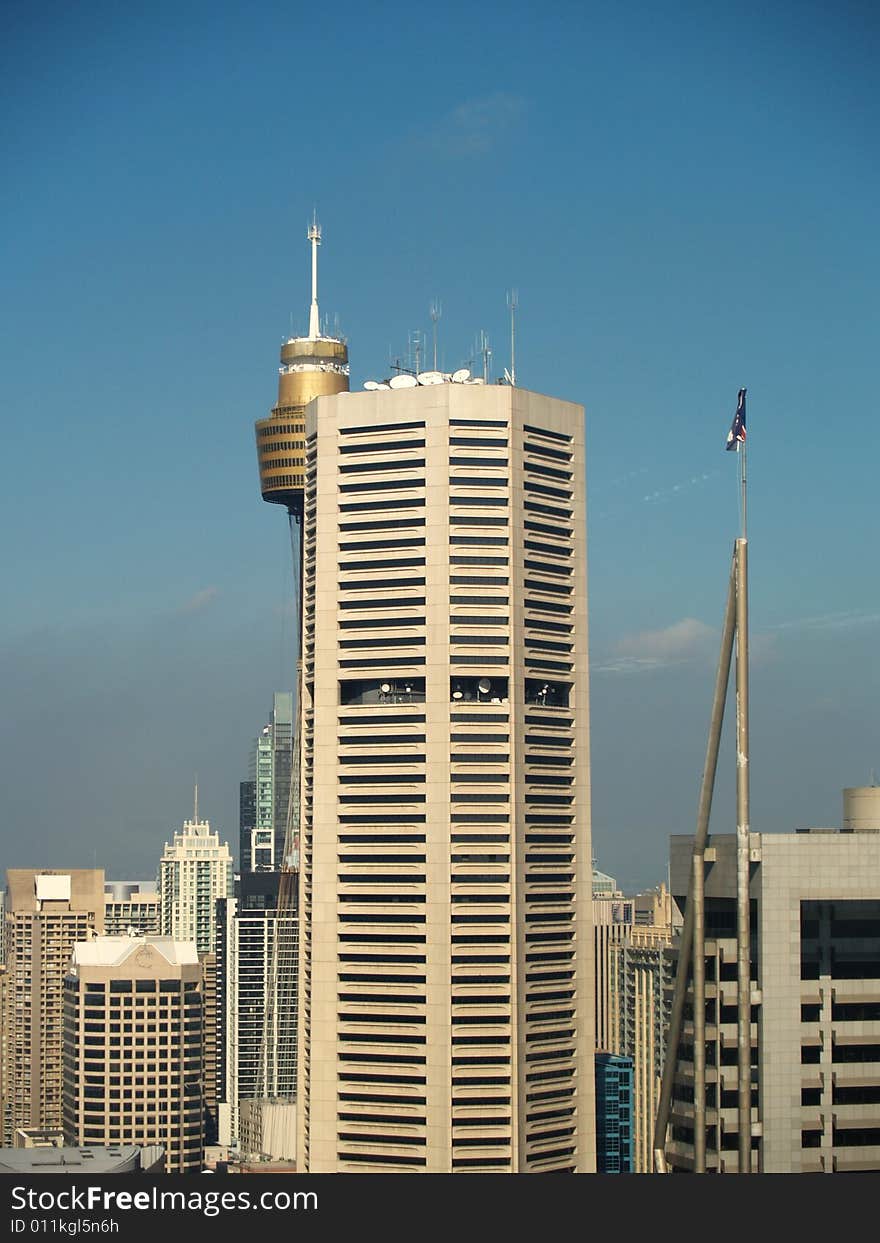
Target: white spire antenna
pixel 486 351
pixel 513 303
pixel 196 800
pixel 314 236
pixel 436 312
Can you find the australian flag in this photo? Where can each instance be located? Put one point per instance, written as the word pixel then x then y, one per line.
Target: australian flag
pixel 737 434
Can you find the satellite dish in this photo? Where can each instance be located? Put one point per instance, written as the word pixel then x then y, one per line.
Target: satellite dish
pixel 372 385
pixel 384 384
pixel 385 688
pixel 459 377
pixel 456 694
pixel 430 377
pixel 403 381
pixel 484 686
pixel 477 379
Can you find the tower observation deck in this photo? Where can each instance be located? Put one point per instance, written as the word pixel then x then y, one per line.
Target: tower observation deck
pixel 312 366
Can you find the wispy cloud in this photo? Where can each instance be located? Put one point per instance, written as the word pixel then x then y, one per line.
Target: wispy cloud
pixel 665 494
pixel 685 640
pixel 851 619
pixel 201 600
pixel 473 127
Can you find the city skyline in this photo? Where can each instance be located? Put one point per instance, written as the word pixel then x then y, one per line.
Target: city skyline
pixel 685 211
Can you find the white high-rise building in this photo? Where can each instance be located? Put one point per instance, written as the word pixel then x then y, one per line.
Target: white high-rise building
pixel 196 870
pixel 446 964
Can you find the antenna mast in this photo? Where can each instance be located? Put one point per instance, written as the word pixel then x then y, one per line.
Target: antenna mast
pixel 513 303
pixel 314 236
pixel 436 312
pixel 487 354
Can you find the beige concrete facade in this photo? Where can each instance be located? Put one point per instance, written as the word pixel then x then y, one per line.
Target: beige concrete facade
pixel 47 912
pixel 815 1004
pixel 446 965
pixel 133 1043
pixel 195 870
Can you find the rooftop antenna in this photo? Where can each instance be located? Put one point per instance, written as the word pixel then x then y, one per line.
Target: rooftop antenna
pixel 196 800
pixel 436 312
pixel 487 354
pixel 415 347
pixel 314 236
pixel 513 303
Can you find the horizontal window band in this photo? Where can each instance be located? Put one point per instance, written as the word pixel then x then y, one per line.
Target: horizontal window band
pixel 385 446
pixel 382 485
pixel 378 427
pixel 389 662
pixel 478 422
pixel 382 779
pixel 381 759
pixel 539 489
pixel 544 567
pixel 545 528
pixel 479 442
pixel 538 507
pixel 544 451
pixel 397 602
pixel 359 507
pixel 547 472
pixel 389 524
pixel 478 660
pixel 564 549
pixel 477 481
pixel 407 640
pixel 380 623
pixel 385 563
pixel 544 626
pixel 377 584
pixel 532 584
pixel 366 468
pixel 460 580
pixel 415 541
pixel 561 437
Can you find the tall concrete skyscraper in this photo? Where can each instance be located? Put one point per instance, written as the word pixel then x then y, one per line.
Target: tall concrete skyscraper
pixel 47 913
pixel 195 870
pixel 446 932
pixel 265 795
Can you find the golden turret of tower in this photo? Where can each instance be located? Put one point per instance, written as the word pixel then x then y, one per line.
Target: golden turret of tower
pixel 312 366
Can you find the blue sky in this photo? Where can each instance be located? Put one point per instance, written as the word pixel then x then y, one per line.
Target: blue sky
pixel 685 198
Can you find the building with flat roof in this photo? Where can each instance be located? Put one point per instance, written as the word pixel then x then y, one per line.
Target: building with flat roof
pixel 446 961
pixel 132 906
pixel 814 995
pixel 264 797
pixel 47 913
pixel 133 1043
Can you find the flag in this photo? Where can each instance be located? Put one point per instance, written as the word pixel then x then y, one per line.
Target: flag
pixel 737 434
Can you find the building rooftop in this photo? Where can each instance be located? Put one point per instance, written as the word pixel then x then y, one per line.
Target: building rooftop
pixel 119 1158
pixel 112 951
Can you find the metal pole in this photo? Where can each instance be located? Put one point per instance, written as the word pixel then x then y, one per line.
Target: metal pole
pixel 699 994
pixel 743 938
pixel 687 933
